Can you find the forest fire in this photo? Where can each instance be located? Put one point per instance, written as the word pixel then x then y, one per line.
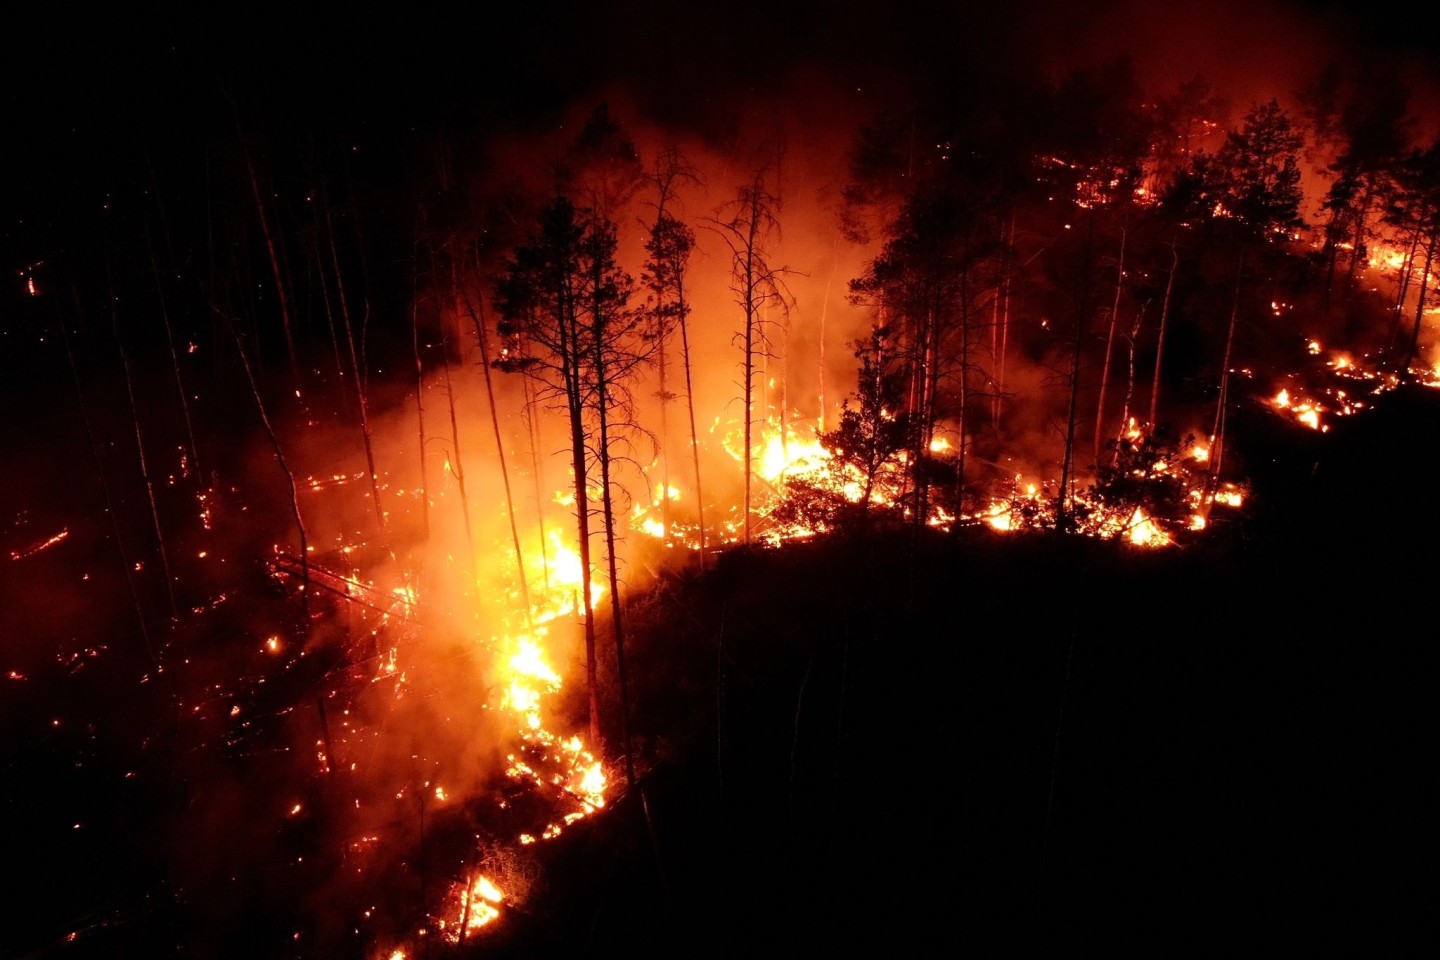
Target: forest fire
pixel 351 468
pixel 478 903
pixel 1345 386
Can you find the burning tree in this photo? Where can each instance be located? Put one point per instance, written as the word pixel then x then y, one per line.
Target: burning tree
pixel 924 284
pixel 1250 191
pixel 748 224
pixel 866 451
pixel 669 247
pixel 1147 484
pixel 1416 210
pixel 567 323
pixel 1370 128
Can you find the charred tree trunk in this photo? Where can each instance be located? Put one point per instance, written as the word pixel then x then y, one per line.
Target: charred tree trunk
pixel 289 477
pixel 1063 518
pixel 1000 331
pixel 537 472
pixel 748 365
pixel 690 407
pixel 270 249
pixel 1125 415
pixel 126 566
pixel 144 466
pixel 1160 336
pixel 1402 293
pixel 607 503
pixel 175 366
pixel 420 390
pixel 964 389
pixel 1414 345
pixel 483 340
pixel 1217 435
pixel 457 466
pixel 357 371
pixel 1109 349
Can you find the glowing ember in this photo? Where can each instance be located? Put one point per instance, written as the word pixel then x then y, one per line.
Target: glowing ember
pixel 39 545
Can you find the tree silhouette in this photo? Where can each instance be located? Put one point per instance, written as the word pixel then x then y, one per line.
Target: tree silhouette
pixel 749 224
pixel 566 322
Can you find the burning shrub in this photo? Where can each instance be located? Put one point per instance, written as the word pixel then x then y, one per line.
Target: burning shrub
pixel 1149 479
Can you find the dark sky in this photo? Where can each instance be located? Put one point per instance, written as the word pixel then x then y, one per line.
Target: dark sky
pixel 91 96
pixel 128 74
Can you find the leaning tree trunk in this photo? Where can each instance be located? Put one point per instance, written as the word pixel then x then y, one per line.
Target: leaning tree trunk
pixel 457 467
pixel 289 478
pixel 1217 435
pixel 357 371
pixel 270 248
pixel 482 338
pixel 1160 337
pixel 1109 349
pixel 144 467
pixel 420 389
pixel 126 565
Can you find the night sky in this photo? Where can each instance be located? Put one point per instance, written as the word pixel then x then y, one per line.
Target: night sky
pixel 96 101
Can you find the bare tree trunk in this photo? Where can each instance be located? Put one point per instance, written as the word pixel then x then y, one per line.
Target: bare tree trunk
pixel 269 249
pixel 1407 270
pixel 358 373
pixel 1002 326
pixel 1357 249
pixel 1217 435
pixel 582 524
pixel 664 435
pixel 607 503
pixel 537 466
pixel 126 566
pixel 341 392
pixel 824 315
pixel 457 467
pixel 1109 349
pixel 289 477
pixel 570 348
pixel 482 338
pixel 1414 345
pixel 964 387
pixel 690 405
pixel 144 468
pixel 1129 381
pixel 1160 337
pixel 420 388
pixel 749 365
pixel 1062 507
pixel 175 365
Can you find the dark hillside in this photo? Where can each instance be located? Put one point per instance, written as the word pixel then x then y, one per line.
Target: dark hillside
pixel 1007 744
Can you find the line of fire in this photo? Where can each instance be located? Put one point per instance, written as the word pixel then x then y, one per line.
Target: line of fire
pixel 387 532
